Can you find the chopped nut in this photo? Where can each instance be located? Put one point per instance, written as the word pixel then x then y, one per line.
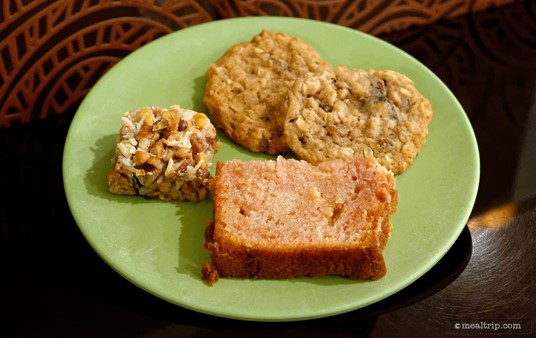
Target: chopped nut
pixel 201 159
pixel 141 156
pixel 145 131
pixel 183 152
pixel 200 120
pixel 164 153
pixel 154 161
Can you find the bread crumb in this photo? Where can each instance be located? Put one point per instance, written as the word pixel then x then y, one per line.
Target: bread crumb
pixel 209 274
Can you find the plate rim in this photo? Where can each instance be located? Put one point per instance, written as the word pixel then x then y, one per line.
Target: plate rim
pixel 319 314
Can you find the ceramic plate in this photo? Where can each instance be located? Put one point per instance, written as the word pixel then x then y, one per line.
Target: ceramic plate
pixel 158 245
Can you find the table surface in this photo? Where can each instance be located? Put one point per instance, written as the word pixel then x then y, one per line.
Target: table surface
pixel 56 285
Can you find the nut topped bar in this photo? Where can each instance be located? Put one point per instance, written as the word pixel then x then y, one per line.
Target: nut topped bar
pixel 164 153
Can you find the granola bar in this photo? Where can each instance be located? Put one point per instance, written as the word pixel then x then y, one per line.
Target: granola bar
pixel 164 153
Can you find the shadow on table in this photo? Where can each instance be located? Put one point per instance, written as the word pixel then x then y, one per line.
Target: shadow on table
pixel 358 323
pixel 437 278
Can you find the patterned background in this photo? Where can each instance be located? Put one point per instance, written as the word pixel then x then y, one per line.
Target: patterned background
pixel 471 54
pixel 489 63
pixel 54 282
pixel 52 52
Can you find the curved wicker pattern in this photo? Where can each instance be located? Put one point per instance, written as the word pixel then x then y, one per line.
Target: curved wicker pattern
pixel 52 52
pixel 374 17
pixel 56 50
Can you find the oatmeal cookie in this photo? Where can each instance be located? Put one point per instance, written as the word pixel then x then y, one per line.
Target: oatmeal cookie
pixel 247 86
pixel 164 153
pixel 353 113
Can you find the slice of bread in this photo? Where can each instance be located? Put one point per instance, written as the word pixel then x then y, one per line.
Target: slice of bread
pixel 288 218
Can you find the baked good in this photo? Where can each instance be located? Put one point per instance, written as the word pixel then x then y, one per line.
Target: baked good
pixel 353 113
pixel 163 153
pixel 246 87
pixel 287 218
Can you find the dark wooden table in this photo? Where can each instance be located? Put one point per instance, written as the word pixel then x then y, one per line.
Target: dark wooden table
pixel 53 284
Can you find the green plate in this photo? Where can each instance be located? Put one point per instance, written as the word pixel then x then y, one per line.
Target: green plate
pixel 158 245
